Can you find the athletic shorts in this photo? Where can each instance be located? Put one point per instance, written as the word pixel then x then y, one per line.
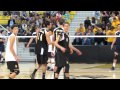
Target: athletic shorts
pixel 12 65
pixel 117 48
pixel 42 57
pixel 61 58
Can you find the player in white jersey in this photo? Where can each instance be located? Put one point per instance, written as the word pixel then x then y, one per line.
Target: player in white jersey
pixel 11 53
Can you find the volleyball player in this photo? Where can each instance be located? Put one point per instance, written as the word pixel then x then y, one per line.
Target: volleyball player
pixel 42 42
pixel 63 49
pixel 11 53
pixel 116 42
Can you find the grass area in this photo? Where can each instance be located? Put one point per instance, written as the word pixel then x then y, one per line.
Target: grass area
pixel 105 66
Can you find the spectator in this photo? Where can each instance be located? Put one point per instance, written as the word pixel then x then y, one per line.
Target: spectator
pixel 99 40
pixel 11 22
pixel 95 29
pixel 23 26
pixel 78 41
pixel 88 40
pixel 105 18
pixel 114 23
pixel 93 21
pixel 87 23
pixel 81 29
pixel 97 16
pixel 58 16
pixel 110 33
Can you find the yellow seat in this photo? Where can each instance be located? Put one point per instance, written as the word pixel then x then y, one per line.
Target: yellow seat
pixel 72 12
pixel 4 22
pixel 4 17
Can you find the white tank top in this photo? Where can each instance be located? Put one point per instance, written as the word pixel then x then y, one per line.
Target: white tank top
pixel 9 56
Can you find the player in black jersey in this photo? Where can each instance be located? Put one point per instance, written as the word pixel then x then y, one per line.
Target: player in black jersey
pixel 42 42
pixel 63 49
pixel 55 33
pixel 117 47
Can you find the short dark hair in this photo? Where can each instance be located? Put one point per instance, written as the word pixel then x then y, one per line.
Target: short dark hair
pixel 15 25
pixel 61 21
pixel 47 23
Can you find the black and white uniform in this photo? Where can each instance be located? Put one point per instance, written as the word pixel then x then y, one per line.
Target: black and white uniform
pixel 61 59
pixel 41 47
pixel 117 44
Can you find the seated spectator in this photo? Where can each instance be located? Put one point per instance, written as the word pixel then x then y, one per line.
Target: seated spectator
pixel 78 41
pixel 95 29
pixel 88 40
pixel 81 29
pixel 99 40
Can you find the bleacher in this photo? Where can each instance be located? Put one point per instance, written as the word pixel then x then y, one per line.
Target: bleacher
pixel 4 20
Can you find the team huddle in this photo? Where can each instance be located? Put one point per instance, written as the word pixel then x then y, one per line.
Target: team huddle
pixel 58 38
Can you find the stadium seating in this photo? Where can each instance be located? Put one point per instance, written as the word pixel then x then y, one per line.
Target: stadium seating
pixel 4 20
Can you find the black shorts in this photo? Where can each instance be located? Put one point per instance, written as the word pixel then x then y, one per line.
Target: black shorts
pixel 12 66
pixel 61 58
pixel 42 59
pixel 117 48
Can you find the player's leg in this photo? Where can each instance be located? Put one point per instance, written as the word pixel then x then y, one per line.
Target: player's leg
pixel 14 69
pixel 115 60
pixel 44 59
pixel 58 69
pixel 66 70
pixel 44 68
pixel 37 68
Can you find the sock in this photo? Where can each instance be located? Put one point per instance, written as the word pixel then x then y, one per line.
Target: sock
pixel 34 71
pixel 43 76
pixel 113 64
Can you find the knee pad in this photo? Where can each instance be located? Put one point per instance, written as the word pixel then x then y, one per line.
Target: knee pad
pixel 17 71
pixel 67 67
pixel 58 70
pixel 115 56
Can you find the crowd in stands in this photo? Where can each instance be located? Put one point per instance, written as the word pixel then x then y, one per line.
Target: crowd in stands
pixel 28 21
pixel 104 23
